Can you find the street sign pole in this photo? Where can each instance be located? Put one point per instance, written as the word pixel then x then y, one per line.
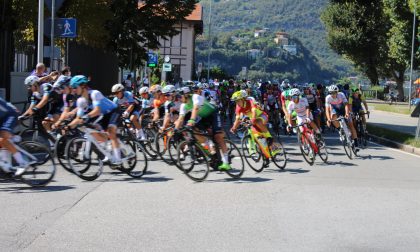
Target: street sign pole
pixel 40 54
pixel 52 35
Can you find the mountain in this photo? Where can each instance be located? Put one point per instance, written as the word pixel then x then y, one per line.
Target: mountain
pixel 299 18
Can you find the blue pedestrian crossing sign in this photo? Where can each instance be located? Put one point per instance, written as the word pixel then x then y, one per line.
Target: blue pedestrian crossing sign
pixel 67 27
pixel 152 60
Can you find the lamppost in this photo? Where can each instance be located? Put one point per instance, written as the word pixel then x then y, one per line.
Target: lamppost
pixel 412 56
pixel 40 55
pixel 210 43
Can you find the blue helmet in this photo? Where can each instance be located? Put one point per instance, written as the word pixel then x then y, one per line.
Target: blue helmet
pixel 78 80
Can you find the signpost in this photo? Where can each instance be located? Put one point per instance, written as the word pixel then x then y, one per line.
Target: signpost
pixel 152 60
pixel 63 27
pixel 167 67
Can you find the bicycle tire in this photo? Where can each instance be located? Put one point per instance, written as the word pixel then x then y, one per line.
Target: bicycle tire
pixel 322 150
pixel 43 171
pixel 162 144
pixel 348 149
pixel 29 135
pixel 138 161
pixel 306 149
pixel 173 146
pixel 280 159
pixel 254 160
pixel 60 152
pixel 236 161
pixel 75 157
pixel 150 138
pixel 198 158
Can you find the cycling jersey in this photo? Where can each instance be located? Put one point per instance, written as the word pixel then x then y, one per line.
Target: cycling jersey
pixel 126 101
pixel 55 102
pixel 96 99
pixel 247 110
pixel 206 109
pixel 337 104
pixel 68 100
pixel 299 110
pixel 356 102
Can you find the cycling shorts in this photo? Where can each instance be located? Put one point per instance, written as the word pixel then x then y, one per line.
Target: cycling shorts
pixel 110 119
pixel 301 119
pixel 214 122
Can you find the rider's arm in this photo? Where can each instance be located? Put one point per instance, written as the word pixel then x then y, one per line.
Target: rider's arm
pixel 179 122
pixel 43 102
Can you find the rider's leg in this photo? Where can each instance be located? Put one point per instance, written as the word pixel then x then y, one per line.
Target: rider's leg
pixel 335 123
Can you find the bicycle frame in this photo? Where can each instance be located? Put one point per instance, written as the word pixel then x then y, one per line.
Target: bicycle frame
pixel 309 133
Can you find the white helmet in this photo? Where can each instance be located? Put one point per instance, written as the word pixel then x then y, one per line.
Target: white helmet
pixel 168 89
pixel 117 88
pixel 144 90
pixel 205 86
pixel 29 81
pixel 156 88
pixel 333 88
pixel 294 92
pixel 185 90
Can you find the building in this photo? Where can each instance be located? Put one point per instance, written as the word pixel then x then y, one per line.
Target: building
pixel 292 49
pixel 282 38
pixel 260 33
pixel 254 53
pixel 181 48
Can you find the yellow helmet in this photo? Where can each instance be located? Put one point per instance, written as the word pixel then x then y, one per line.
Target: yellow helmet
pixel 239 95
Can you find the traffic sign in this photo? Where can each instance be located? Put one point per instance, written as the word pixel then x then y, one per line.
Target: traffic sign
pixel 63 27
pixel 58 4
pixel 167 67
pixel 152 60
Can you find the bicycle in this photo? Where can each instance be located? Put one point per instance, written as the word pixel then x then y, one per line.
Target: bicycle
pixel 41 168
pixel 195 160
pixel 37 132
pixel 309 145
pixel 84 153
pixel 345 137
pixel 255 149
pixel 362 134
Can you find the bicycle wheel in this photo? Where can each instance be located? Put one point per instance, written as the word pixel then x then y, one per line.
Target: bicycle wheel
pixel 87 166
pixel 306 149
pixel 43 170
pixel 35 136
pixel 252 153
pixel 322 150
pixel 60 152
pixel 136 166
pixel 362 137
pixel 278 155
pixel 193 161
pixel 236 161
pixel 348 149
pixel 174 141
pixel 162 146
pixel 149 145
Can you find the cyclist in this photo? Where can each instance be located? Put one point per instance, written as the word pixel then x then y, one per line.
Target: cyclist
pixel 246 106
pixel 336 105
pixel 55 102
pixel 146 108
pixel 69 108
pixel 301 106
pixel 204 116
pixel 39 96
pixel 158 102
pixel 99 105
pixel 356 100
pixel 314 104
pixel 169 105
pixel 8 120
pixel 126 102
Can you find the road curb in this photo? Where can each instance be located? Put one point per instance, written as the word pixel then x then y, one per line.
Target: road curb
pixel 395 145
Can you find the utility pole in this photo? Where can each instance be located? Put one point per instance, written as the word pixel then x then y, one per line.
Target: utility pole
pixel 412 56
pixel 40 55
pixel 52 35
pixel 210 44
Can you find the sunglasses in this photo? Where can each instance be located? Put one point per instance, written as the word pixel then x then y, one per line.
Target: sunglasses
pixel 295 97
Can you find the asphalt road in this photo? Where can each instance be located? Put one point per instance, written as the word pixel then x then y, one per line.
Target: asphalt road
pixel 371 203
pixel 393 121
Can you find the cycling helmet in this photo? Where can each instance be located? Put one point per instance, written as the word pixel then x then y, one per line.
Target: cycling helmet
pixel 333 88
pixel 250 85
pixel 144 90
pixel 211 85
pixel 156 88
pixel 244 86
pixel 239 95
pixel 354 89
pixel 117 88
pixel 29 81
pixel 185 90
pixel 286 81
pixel 294 92
pixel 78 80
pixel 62 81
pixel 168 89
pixel 205 86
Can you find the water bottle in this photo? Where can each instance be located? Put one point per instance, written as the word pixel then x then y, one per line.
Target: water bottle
pixel 212 147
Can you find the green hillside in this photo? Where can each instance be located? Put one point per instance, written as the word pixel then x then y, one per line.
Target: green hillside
pixel 300 18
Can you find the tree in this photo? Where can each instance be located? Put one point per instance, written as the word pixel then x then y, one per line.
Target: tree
pixel 7 25
pixel 357 29
pixel 399 39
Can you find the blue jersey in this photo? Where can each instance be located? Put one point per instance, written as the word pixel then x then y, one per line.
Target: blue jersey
pixel 96 99
pixel 126 101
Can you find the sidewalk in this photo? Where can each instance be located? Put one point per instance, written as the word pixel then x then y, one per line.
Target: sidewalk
pixel 393 121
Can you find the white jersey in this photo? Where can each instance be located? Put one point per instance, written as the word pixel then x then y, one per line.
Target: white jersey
pixel 337 103
pixel 299 107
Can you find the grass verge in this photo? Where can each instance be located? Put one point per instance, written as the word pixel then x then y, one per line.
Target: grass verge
pixel 395 136
pixel 400 109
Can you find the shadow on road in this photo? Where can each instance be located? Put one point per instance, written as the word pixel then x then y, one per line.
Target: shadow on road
pixel 339 163
pixel 239 181
pixel 27 189
pixel 375 157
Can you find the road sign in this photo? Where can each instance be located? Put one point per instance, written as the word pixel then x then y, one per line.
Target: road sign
pixel 63 27
pixel 167 59
pixel 167 67
pixel 152 60
pixel 58 4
